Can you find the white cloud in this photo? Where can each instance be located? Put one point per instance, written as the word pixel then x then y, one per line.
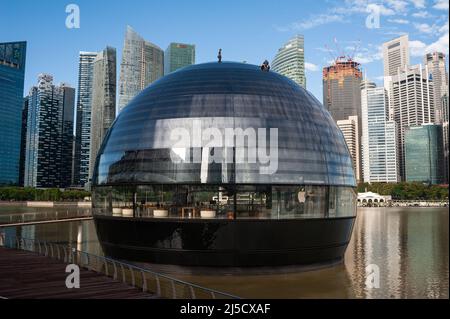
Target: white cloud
pixel 417 48
pixel 441 45
pixel 369 55
pixel 419 4
pixel 422 14
pixel 315 21
pixel 397 5
pixel 426 28
pixel 311 67
pixel 372 7
pixel 441 5
pixel 399 21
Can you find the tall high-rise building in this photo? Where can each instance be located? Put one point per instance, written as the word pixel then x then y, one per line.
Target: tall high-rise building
pixel 379 137
pixel 103 100
pixel 23 142
pixel 411 102
pixel 48 160
pixel 341 89
pixel 395 55
pixel 445 136
pixel 290 60
pixel 424 154
pixel 350 130
pixel 438 70
pixel 142 63
pixel 12 75
pixel 67 121
pixel 177 56
pixel 83 123
pixel 342 93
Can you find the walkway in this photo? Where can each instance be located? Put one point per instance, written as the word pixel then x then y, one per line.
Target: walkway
pixel 26 274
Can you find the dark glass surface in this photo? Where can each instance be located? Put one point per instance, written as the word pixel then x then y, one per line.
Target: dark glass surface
pixel 216 242
pixel 225 201
pixel 138 148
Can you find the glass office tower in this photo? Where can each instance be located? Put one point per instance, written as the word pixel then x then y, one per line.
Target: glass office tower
pixel 424 154
pixel 177 56
pixel 290 60
pixel 224 164
pixel 12 75
pixel 142 64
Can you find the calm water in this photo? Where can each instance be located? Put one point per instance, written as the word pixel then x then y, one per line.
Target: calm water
pixel 409 245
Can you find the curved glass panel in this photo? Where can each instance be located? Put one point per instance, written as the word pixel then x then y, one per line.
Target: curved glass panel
pixel 225 201
pixel 295 140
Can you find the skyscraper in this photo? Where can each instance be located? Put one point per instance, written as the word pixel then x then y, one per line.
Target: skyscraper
pixel 423 154
pixel 290 60
pixel 83 123
pixel 142 63
pixel 48 160
pixel 12 74
pixel 395 55
pixel 341 89
pixel 437 68
pixel 23 142
pixel 379 139
pixel 445 135
pixel 350 129
pixel 103 100
pixel 411 101
pixel 67 137
pixel 178 55
pixel 342 93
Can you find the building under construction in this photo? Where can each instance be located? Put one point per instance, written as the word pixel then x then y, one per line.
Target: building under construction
pixel 341 88
pixel 342 96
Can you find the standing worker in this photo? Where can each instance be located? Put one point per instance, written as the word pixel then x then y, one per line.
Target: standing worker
pixel 219 56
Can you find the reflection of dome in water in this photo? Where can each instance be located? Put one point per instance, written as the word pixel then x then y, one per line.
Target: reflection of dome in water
pixel 173 156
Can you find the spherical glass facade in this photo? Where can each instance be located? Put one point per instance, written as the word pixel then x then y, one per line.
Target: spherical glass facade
pixel 308 173
pixel 223 164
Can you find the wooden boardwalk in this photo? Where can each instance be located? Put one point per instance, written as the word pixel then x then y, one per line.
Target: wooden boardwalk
pixel 25 274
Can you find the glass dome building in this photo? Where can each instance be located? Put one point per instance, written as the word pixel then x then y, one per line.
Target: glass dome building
pixel 222 164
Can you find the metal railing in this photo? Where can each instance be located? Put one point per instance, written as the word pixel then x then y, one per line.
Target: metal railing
pixel 37 217
pixel 161 285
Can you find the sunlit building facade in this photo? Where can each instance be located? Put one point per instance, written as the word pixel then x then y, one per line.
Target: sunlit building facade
pixel 142 64
pixel 290 60
pixel 177 56
pixel 379 136
pixel 12 76
pixel 424 154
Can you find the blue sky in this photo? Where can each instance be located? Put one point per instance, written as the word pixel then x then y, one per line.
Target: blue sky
pixel 246 30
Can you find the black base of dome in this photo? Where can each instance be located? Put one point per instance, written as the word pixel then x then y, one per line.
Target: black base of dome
pixel 225 243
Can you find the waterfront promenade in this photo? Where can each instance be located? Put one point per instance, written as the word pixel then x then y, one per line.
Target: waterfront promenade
pixel 28 275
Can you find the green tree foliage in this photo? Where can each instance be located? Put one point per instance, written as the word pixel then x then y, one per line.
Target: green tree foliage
pixel 50 194
pixel 407 191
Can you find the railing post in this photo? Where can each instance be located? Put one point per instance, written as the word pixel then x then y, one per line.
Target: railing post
pixel 158 286
pixel 115 271
pixel 123 272
pixel 144 282
pixel 174 293
pixel 213 295
pixel 133 282
pixel 106 267
pixel 192 292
